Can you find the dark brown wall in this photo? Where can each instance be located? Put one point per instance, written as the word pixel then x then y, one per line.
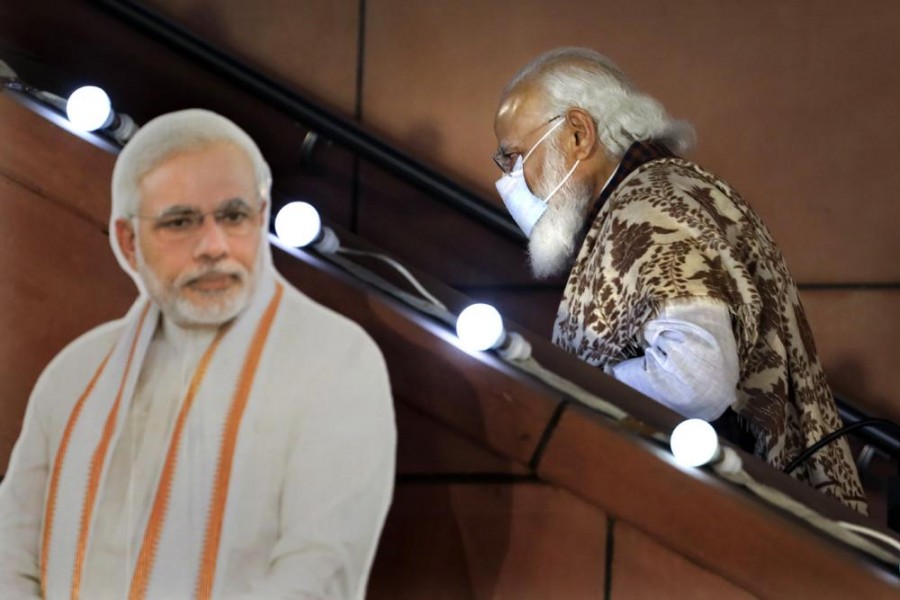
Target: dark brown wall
pixel 795 104
pixel 59 275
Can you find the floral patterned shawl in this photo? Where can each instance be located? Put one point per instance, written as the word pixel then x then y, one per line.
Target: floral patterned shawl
pixel 671 231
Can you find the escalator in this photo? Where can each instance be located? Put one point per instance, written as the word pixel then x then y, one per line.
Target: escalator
pixel 508 484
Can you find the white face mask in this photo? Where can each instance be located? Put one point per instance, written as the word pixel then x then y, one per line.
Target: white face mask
pixel 525 207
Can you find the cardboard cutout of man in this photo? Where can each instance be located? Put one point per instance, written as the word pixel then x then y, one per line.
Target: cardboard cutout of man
pixel 228 437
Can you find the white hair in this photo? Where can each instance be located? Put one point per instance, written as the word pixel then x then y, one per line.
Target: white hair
pixel 172 133
pixel 583 78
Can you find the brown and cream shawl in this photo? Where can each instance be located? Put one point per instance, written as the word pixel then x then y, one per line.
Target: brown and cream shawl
pixel 671 231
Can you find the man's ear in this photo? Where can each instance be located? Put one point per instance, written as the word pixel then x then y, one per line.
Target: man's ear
pixel 126 238
pixel 262 211
pixel 584 140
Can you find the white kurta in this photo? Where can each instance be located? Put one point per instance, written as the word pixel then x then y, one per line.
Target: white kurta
pixel 138 456
pixel 690 360
pixel 310 484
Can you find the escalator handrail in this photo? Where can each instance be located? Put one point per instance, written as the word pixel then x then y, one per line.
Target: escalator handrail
pixel 333 127
pixel 885 439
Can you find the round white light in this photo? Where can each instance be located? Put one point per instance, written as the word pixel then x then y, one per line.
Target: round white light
pixel 89 108
pixel 298 224
pixel 479 327
pixel 694 443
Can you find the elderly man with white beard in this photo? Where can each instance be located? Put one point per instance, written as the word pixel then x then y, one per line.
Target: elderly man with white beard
pixel 228 437
pixel 676 287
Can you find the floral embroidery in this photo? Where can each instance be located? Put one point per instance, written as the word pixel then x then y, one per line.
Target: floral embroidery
pixel 671 230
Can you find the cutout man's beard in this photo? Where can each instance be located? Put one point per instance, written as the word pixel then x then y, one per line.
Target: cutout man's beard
pixel 219 307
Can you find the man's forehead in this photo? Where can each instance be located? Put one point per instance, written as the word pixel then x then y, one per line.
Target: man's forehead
pixel 199 161
pixel 220 170
pixel 216 149
pixel 521 110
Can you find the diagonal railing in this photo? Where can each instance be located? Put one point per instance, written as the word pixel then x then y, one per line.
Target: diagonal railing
pixel 333 127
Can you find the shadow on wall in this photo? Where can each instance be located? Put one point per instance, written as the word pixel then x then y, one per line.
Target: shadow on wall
pixel 848 377
pixel 443 542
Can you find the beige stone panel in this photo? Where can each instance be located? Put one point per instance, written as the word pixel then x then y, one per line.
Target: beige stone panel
pixel 795 102
pixel 856 333
pixel 310 44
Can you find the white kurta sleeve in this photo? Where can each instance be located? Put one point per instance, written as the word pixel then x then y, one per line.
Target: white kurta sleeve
pixel 690 361
pixel 338 484
pixel 21 507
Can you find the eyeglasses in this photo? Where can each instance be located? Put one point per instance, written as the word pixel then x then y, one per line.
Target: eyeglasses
pixel 507 160
pixel 235 217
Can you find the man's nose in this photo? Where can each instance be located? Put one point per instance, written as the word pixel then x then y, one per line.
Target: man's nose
pixel 212 241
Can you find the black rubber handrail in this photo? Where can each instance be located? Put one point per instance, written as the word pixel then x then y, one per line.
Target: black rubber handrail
pixel 885 439
pixel 331 126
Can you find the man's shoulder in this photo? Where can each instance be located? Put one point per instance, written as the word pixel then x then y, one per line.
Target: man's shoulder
pixel 306 321
pixel 325 352
pixel 674 183
pixel 675 171
pixel 101 336
pixel 72 368
pixel 79 354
